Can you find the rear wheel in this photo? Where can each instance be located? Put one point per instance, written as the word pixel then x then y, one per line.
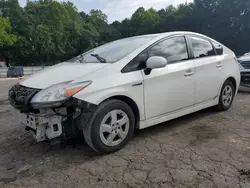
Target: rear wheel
pixel 226 96
pixel 110 127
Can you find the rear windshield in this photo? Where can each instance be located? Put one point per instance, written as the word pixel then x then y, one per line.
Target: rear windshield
pixel 113 51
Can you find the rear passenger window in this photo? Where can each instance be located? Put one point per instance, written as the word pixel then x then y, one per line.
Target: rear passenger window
pixel 202 47
pixel 218 48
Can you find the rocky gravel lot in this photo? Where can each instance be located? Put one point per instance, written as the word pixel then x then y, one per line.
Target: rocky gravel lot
pixel 203 150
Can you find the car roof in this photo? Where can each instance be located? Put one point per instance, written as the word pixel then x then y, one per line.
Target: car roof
pixel 158 36
pixel 170 33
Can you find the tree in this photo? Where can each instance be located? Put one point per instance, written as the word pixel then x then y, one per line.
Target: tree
pixel 6 38
pixel 224 20
pixel 144 21
pixel 97 16
pixel 49 32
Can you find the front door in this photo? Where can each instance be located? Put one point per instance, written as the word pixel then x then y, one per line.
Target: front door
pixel 170 88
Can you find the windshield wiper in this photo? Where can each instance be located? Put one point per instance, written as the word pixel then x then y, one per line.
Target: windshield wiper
pixel 81 59
pixel 101 59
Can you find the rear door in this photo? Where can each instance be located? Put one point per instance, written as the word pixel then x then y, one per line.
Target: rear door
pixel 208 69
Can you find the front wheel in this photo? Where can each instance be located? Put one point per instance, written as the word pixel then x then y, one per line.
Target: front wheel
pixel 226 96
pixel 110 127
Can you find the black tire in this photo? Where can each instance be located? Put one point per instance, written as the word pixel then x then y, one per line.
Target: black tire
pixel 221 106
pixel 92 129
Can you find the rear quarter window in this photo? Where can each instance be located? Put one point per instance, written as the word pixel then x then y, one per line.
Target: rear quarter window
pixel 218 48
pixel 201 47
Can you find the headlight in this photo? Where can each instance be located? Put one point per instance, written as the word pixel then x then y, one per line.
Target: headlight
pixel 57 94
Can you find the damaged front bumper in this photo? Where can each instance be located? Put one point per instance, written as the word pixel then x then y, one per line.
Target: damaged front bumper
pixel 49 123
pixel 44 126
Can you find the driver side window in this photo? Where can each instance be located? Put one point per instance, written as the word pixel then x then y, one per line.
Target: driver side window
pixel 173 49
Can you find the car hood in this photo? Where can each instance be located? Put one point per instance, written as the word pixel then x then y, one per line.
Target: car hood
pixel 62 72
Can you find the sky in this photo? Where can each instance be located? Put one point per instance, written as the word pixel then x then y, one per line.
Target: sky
pixel 119 9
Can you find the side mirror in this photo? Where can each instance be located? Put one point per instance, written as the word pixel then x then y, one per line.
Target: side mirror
pixel 156 62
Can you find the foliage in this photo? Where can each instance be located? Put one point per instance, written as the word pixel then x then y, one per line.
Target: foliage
pixel 48 31
pixel 6 39
pixel 5 29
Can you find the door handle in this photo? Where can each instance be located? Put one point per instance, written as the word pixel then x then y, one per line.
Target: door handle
pixel 219 65
pixel 189 73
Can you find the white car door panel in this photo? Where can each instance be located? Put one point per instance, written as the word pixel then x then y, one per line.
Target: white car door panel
pixel 208 68
pixel 169 89
pixel 208 78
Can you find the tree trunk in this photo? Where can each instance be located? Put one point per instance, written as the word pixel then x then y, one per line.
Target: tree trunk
pixel 5 59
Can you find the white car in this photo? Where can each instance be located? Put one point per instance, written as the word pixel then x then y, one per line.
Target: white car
pixel 133 83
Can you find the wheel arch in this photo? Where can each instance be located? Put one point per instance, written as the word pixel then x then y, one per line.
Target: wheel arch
pixel 221 106
pixel 233 80
pixel 132 104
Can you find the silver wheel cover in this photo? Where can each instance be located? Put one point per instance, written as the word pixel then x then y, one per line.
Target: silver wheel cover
pixel 114 128
pixel 227 95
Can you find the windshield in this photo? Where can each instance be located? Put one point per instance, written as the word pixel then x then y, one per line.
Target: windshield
pixel 113 51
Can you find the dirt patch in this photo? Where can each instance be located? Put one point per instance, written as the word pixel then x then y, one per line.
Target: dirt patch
pixel 2 102
pixel 203 133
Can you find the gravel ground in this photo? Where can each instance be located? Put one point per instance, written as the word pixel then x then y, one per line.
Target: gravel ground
pixel 205 149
